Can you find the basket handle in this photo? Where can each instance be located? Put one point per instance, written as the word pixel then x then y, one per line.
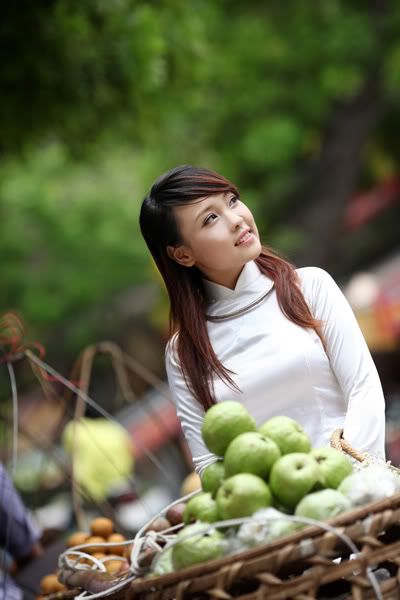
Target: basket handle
pixel 338 442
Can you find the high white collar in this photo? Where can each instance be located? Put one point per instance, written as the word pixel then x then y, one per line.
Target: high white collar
pixel 251 281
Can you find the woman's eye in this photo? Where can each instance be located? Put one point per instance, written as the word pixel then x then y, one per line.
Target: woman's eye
pixel 208 220
pixel 232 201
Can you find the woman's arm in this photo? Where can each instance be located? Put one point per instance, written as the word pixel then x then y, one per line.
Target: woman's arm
pixel 351 361
pixel 189 411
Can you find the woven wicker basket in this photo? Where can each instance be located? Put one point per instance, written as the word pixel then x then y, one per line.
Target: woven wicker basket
pixel 300 565
pixel 296 566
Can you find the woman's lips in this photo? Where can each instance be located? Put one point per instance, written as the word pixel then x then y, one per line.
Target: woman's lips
pixel 247 239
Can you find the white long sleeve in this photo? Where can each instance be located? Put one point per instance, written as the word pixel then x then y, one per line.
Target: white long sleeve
pixel 189 411
pixel 351 362
pixel 282 369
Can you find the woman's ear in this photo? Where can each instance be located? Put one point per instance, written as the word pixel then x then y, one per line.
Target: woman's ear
pixel 180 255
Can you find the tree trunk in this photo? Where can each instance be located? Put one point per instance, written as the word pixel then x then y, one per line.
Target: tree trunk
pixel 334 177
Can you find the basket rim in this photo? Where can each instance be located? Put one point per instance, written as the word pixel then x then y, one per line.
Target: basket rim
pixel 169 579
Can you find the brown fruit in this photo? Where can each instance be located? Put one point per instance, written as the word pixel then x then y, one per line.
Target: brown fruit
pixel 94 540
pixel 158 524
pixel 102 526
pixel 147 556
pixel 77 538
pixel 124 566
pixel 99 555
pixel 175 513
pixel 116 537
pixel 114 566
pixel 50 584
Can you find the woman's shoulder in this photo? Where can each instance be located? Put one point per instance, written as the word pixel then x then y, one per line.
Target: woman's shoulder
pixel 316 283
pixel 313 275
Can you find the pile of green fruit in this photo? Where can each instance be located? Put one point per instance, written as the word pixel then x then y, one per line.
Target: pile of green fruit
pixel 273 465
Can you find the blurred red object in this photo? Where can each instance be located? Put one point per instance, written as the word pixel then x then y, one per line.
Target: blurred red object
pixel 364 207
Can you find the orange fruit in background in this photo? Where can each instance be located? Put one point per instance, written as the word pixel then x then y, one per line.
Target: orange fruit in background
pixel 113 566
pixel 77 538
pixel 50 584
pixel 127 551
pixel 94 540
pixel 116 537
pixel 102 526
pixel 99 555
pixel 191 483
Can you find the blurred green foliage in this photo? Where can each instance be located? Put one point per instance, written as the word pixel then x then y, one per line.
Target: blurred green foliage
pixel 102 96
pixel 69 232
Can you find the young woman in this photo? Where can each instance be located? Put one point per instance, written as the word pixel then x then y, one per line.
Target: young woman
pixel 246 326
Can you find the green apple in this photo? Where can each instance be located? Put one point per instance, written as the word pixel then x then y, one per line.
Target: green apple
pixel 292 477
pixel 334 466
pixel 212 477
pixel 223 422
pixel 251 452
pixel 195 546
pixel 241 495
pixel 287 434
pixel 322 505
pixel 201 508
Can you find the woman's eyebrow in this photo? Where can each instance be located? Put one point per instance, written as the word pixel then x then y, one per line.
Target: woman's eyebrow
pixel 209 207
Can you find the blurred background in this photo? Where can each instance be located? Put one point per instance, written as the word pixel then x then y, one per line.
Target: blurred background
pixel 298 103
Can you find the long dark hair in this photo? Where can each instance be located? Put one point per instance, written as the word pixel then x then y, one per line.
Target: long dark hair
pixel 182 185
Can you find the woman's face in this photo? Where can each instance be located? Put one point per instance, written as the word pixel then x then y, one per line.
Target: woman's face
pixel 219 237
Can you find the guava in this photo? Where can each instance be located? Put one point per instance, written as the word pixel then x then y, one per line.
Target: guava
pixel 241 495
pixel 322 505
pixel 223 422
pixel 164 563
pixel 287 434
pixel 251 452
pixel 334 466
pixel 212 477
pixel 195 546
pixel 292 477
pixel 201 508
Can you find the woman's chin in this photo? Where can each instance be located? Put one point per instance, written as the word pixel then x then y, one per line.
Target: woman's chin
pixel 255 250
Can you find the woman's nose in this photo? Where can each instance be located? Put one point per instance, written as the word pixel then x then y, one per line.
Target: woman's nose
pixel 236 221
